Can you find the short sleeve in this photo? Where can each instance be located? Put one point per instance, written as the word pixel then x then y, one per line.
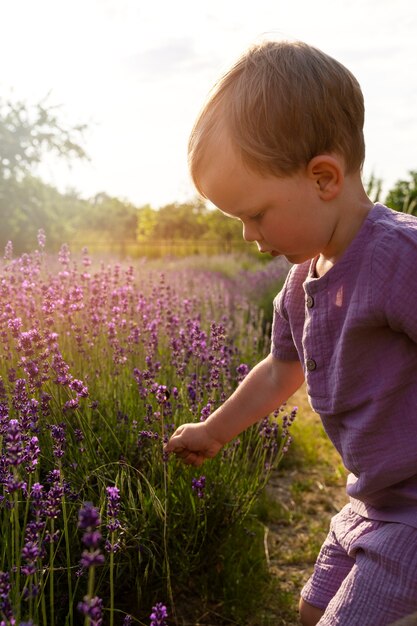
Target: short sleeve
pixel 394 280
pixel 282 343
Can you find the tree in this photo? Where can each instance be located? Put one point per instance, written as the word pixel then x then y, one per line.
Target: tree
pixel 373 188
pixel 403 196
pixel 27 133
pixel 147 220
pixel 173 221
pixel 191 220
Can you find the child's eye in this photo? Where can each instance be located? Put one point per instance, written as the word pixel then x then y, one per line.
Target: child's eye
pixel 258 216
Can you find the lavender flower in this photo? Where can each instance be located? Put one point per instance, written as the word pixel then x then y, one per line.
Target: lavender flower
pixel 58 439
pixel 41 238
pixel 199 485
pixel 89 521
pixel 14 443
pixel 113 508
pixel 205 412
pixel 32 549
pixel 93 609
pixel 5 606
pixel 36 495
pixel 242 371
pixel 91 558
pixel 8 251
pixel 64 255
pixel 53 499
pixel 159 615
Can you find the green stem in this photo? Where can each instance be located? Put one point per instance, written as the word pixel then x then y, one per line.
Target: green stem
pixel 17 551
pixel 165 538
pixel 112 581
pixel 51 573
pixel 90 592
pixel 68 557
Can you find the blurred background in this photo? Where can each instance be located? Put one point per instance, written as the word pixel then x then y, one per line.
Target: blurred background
pixel 97 99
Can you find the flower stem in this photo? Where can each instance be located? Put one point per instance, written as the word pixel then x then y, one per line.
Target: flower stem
pixel 51 573
pixel 112 580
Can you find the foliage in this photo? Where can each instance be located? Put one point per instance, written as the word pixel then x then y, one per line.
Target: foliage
pixel 27 132
pixel 190 220
pixel 100 363
pixel 106 214
pixel 29 204
pixel 373 188
pixel 403 196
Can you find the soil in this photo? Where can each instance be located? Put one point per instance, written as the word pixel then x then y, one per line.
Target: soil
pixel 309 499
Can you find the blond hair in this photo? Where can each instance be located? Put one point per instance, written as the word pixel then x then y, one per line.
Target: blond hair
pixel 281 104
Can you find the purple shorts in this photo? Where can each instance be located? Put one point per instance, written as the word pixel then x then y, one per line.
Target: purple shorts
pixel 366 572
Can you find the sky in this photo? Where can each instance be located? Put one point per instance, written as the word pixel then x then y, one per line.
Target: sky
pixel 136 72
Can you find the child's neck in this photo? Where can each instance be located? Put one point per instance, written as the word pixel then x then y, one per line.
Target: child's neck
pixel 353 210
pixel 322 266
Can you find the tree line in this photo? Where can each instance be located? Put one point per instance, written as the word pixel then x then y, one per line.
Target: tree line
pixel 27 203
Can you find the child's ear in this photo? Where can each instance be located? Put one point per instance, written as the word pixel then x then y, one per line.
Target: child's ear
pixel 327 173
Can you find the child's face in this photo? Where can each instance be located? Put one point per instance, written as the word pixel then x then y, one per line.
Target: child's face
pixel 284 216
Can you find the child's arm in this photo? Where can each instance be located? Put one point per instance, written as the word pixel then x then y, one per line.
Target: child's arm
pixel 265 388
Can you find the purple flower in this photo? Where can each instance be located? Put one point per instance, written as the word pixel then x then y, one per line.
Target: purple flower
pixel 64 255
pixel 144 435
pixel 159 615
pixel 88 517
pixel 89 521
pixel 36 496
pixel 41 238
pixel 58 438
pixel 128 620
pixel 86 258
pixel 74 403
pixel 198 485
pixel 5 586
pixel 79 387
pixel 14 443
pixel 8 251
pixel 92 608
pixel 5 607
pixel 113 508
pixel 15 325
pixel 53 499
pixel 242 371
pixel 92 558
pixel 31 550
pixel 205 412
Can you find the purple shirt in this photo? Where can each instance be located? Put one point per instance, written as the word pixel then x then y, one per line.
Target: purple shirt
pixel 355 331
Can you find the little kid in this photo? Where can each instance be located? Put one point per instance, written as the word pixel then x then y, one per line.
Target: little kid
pixel 279 145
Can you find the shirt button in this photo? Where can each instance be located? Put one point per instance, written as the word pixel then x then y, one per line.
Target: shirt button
pixel 311 365
pixel 310 301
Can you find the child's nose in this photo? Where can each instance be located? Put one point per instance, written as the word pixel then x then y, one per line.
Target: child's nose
pixel 250 232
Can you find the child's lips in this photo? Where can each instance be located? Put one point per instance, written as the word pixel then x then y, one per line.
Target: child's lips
pixel 271 252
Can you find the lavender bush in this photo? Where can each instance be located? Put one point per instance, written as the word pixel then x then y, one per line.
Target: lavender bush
pixel 99 365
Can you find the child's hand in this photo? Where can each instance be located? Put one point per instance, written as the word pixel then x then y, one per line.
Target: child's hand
pixel 193 444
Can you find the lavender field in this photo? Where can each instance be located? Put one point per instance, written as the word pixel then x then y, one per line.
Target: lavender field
pixel 100 361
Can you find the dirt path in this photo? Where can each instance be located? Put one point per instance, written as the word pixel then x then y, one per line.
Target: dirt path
pixel 304 503
pixel 303 499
